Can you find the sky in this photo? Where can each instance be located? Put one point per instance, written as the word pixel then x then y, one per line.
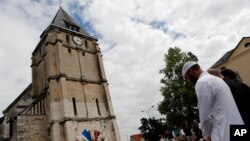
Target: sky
pixel 133 36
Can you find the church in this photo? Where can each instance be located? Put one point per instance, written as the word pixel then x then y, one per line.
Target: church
pixel 68 99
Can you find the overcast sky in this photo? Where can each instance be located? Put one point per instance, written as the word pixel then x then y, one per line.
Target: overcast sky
pixel 133 36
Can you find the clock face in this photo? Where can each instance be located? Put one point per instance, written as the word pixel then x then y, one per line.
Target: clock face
pixel 77 40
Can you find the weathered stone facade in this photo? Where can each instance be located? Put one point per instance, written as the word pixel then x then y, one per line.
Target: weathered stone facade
pixel 26 131
pixel 69 89
pixel 17 106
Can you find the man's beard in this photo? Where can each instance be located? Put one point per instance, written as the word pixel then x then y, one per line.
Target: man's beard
pixel 193 79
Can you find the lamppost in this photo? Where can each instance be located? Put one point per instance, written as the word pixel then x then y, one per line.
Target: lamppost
pixel 148 110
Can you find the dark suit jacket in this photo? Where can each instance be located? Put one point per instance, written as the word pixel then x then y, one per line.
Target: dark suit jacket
pixel 241 94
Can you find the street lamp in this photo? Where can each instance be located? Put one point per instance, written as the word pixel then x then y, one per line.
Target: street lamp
pixel 148 110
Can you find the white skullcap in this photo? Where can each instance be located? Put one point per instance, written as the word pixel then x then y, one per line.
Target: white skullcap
pixel 187 66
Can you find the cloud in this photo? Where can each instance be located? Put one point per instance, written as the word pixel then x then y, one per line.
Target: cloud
pixel 17 42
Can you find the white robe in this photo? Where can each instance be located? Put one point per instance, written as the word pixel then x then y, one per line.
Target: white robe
pixel 217 108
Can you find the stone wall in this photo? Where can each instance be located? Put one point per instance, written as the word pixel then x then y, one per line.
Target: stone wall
pixel 32 128
pixel 4 129
pixel 18 105
pixel 72 130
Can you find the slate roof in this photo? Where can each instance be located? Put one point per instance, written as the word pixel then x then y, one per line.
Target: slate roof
pixel 62 19
pixel 227 55
pixel 224 58
pixel 25 92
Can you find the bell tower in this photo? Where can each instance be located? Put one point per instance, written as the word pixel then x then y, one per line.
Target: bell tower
pixel 68 73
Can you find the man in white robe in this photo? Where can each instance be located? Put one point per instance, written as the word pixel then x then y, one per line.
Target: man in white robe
pixel 217 108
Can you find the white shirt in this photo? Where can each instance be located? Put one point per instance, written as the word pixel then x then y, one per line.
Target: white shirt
pixel 217 108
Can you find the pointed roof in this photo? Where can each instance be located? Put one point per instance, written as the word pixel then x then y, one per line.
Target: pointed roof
pixel 224 58
pixel 63 20
pixel 227 55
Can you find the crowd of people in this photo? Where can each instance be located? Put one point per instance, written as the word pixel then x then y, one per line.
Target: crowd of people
pixel 222 101
pixel 186 132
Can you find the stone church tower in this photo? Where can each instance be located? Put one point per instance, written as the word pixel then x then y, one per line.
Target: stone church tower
pixel 69 93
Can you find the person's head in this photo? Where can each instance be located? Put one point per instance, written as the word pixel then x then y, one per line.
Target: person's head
pixel 191 72
pixel 215 72
pixel 229 74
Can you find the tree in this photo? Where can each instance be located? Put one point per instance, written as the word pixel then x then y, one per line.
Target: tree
pixel 151 129
pixel 179 103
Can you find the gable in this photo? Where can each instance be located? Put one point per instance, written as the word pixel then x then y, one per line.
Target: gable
pixel 21 102
pixel 243 46
pixel 223 59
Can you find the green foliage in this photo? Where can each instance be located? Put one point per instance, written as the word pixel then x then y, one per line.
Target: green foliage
pixel 151 129
pixel 179 103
